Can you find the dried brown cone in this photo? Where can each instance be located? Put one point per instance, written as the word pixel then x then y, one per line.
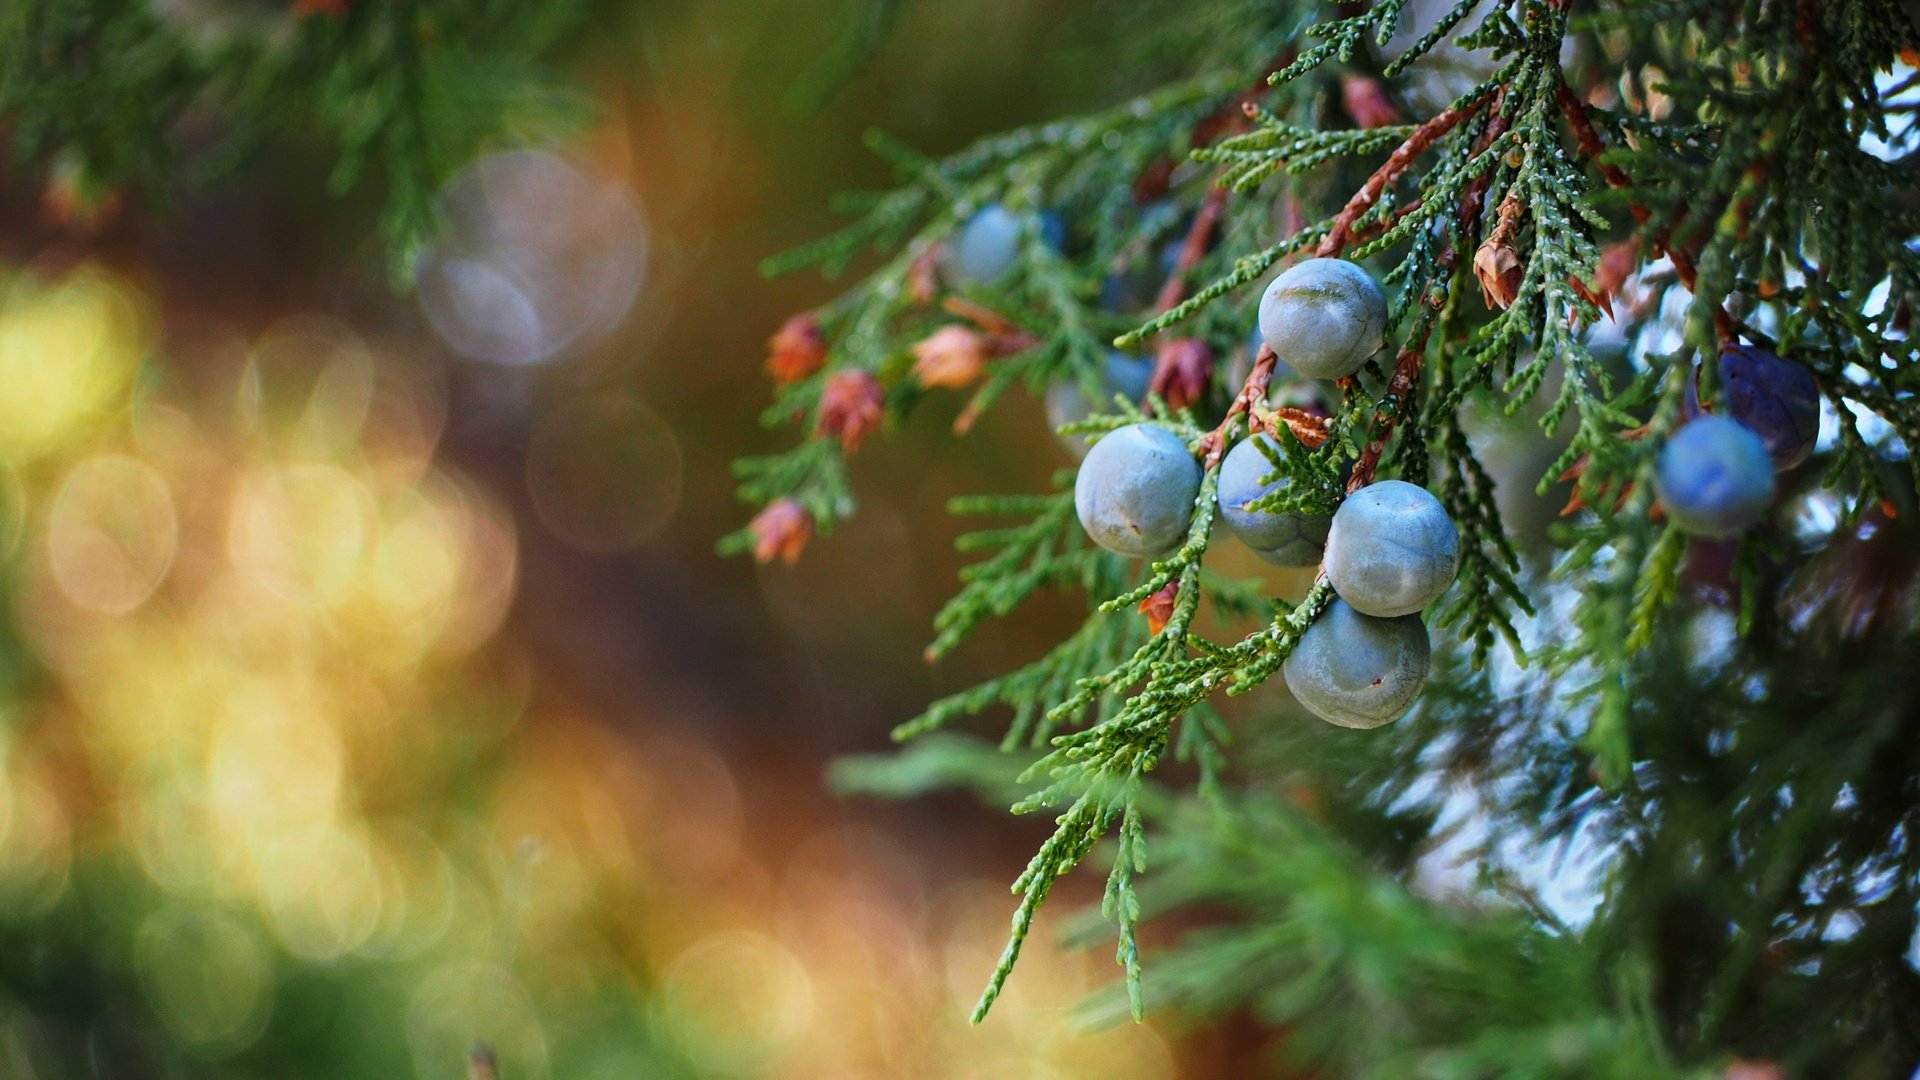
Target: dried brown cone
pixel 923 276
pixel 1497 263
pixel 1617 264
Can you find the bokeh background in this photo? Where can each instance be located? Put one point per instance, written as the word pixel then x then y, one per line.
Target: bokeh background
pixel 372 701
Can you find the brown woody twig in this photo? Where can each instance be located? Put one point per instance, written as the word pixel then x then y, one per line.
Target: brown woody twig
pixel 1396 165
pixel 1407 365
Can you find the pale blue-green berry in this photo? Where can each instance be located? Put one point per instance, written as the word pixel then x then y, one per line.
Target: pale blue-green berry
pixel 1515 458
pixel 989 244
pixel 1392 549
pixel 987 247
pixel 1715 477
pixel 1324 317
pixel 1289 538
pixel 1124 375
pixel 1356 670
pixel 1136 490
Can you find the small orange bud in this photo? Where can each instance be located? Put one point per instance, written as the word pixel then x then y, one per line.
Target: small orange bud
pixel 781 530
pixel 1158 608
pixel 851 406
pixel 954 356
pixel 70 201
pixel 797 349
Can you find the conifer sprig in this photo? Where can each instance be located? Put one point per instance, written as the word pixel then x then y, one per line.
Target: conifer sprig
pixel 1617 240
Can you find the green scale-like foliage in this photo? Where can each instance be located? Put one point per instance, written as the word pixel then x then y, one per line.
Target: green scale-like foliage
pixel 1737 155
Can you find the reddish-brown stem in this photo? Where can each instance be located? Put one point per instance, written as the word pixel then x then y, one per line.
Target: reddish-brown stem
pixel 1407 369
pixel 1192 249
pixel 980 315
pixel 1476 193
pixel 1231 119
pixel 1368 232
pixel 1806 24
pixel 1396 165
pixel 1407 365
pixel 1406 372
pixel 1255 390
pixel 1228 121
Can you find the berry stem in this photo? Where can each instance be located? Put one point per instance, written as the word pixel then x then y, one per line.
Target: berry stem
pixel 1214 443
pixel 1407 368
pixel 1406 372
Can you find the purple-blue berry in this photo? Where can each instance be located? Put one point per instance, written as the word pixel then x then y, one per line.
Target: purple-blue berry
pixel 1324 317
pixel 1392 549
pixel 1356 670
pixel 1714 477
pixel 1775 399
pixel 1136 490
pixel 1284 539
